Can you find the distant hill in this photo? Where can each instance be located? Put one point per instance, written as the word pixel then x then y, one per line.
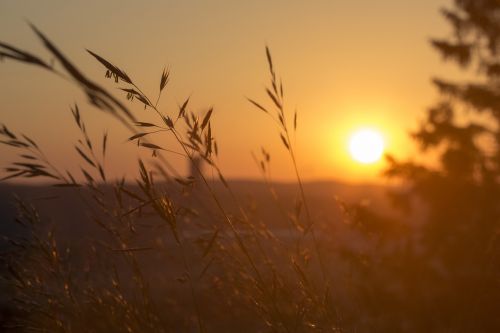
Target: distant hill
pixel 68 208
pixel 63 203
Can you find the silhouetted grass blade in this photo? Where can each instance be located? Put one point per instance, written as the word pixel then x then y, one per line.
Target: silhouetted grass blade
pixel 115 70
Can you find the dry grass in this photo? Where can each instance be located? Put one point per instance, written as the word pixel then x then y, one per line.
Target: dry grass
pixel 237 271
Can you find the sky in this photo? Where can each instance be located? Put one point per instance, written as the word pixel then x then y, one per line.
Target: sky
pixel 345 65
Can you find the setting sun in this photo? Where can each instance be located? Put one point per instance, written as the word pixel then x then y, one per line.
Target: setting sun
pixel 366 146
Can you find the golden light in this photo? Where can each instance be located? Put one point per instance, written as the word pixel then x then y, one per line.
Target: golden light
pixel 366 146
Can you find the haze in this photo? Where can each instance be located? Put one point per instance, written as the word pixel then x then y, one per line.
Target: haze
pixel 344 64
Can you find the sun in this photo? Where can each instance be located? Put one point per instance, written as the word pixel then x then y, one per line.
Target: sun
pixel 366 146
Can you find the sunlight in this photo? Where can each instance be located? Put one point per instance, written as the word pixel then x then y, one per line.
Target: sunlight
pixel 366 146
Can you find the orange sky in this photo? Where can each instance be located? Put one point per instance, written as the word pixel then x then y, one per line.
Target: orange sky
pixel 345 65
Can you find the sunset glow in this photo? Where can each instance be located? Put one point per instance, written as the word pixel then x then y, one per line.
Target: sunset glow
pixel 366 146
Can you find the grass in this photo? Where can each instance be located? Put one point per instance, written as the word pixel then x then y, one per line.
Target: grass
pixel 237 271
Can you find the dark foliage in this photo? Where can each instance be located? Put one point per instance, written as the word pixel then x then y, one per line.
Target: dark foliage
pixel 443 275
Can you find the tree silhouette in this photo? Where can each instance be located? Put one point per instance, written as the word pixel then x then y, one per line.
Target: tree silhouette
pixel 458 282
